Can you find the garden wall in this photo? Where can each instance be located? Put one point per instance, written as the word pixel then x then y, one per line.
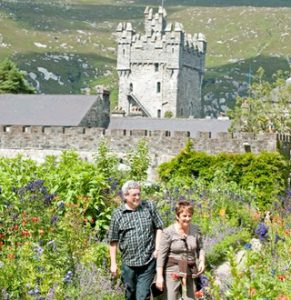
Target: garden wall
pixel 35 141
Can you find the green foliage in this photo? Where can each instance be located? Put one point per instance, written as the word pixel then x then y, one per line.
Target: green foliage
pixel 49 234
pixel 266 109
pixel 263 273
pixel 12 80
pixel 264 174
pixel 138 160
pixel 53 216
pixel 106 162
pixel 218 253
pixel 168 114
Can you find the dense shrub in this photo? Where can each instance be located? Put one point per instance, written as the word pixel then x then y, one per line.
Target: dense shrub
pixel 265 174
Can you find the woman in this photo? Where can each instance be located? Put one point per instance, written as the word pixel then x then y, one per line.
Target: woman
pixel 181 256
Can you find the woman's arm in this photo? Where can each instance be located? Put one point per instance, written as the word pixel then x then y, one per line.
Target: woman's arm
pixel 157 242
pixel 201 264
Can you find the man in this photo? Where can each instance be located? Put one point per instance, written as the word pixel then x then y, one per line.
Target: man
pixel 136 228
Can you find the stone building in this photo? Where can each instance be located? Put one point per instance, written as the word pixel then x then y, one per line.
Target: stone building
pixel 160 71
pixel 55 110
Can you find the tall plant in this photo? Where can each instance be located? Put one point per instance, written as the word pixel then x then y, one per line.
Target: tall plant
pixel 138 160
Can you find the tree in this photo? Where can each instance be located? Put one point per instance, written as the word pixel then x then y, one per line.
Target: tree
pixel 266 109
pixel 12 80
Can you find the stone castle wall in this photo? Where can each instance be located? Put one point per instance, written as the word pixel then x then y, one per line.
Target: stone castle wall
pixel 39 140
pixel 163 67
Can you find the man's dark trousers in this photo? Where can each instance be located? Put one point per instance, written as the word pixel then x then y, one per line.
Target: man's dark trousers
pixel 137 280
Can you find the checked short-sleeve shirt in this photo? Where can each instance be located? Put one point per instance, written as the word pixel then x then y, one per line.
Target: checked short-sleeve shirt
pixel 134 230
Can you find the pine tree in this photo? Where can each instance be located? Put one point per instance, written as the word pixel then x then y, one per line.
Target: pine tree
pixel 12 80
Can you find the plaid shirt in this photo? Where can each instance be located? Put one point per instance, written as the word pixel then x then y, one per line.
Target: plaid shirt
pixel 135 232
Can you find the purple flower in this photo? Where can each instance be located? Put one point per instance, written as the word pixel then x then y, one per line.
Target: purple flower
pixel 54 219
pixel 262 231
pixel 204 280
pixel 248 246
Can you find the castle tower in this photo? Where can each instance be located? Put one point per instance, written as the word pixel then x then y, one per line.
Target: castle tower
pixel 160 71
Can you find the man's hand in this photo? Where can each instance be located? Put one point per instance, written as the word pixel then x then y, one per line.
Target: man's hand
pixel 113 264
pixel 114 270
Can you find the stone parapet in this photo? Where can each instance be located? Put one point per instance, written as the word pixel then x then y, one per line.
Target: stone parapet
pixel 163 144
pixel 58 137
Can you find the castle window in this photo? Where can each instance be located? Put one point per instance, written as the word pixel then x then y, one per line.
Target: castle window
pixel 156 67
pixel 182 111
pixel 247 147
pixel 7 128
pixel 159 113
pixel 158 87
pixel 173 50
pixel 123 51
pixel 130 87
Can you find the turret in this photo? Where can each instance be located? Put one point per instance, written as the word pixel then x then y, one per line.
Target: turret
pixel 125 37
pixel 202 45
pixel 148 17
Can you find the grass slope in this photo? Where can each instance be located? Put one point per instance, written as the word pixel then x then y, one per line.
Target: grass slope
pixel 68 46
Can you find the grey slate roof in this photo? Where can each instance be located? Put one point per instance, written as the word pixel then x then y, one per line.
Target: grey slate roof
pixel 58 110
pixel 191 125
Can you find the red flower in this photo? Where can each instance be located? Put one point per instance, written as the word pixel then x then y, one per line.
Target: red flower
pixel 15 227
pixel 35 219
pixel 25 233
pixel 281 297
pixel 281 277
pixel 10 256
pixel 1 244
pixel 199 294
pixel 2 235
pixel 175 276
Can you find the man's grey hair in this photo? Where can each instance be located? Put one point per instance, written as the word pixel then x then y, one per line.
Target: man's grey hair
pixel 129 185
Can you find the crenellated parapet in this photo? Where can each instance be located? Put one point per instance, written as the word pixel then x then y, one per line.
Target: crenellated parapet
pixel 160 141
pixel 160 33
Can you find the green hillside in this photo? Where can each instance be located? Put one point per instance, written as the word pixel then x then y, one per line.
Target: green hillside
pixel 68 46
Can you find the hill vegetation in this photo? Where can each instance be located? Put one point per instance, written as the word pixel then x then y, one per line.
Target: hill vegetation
pixel 69 46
